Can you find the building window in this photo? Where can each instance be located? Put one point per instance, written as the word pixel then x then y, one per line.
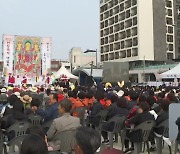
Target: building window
pixel 169 38
pixel 169 12
pixel 129 53
pixel 170 56
pixel 168 4
pixel 171 47
pixel 170 30
pixel 169 21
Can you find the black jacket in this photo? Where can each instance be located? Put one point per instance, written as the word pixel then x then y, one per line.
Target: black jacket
pixel 96 108
pixel 115 110
pixel 178 124
pixel 140 118
pixel 162 117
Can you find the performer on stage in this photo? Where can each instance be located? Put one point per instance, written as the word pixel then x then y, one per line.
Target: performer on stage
pixel 24 81
pixel 11 79
pixel 48 79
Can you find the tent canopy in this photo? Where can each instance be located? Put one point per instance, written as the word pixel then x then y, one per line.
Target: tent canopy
pixel 63 72
pixel 173 73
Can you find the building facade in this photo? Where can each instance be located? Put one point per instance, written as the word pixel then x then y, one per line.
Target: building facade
pixel 177 27
pixel 78 58
pixel 138 30
pixel 56 65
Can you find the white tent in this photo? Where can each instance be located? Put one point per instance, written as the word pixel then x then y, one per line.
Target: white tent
pixel 64 72
pixel 173 73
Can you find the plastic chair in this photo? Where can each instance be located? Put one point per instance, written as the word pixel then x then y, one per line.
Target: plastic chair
pixel 159 140
pixel 20 128
pixel 101 116
pixel 80 111
pixel 35 119
pixel 118 125
pixel 3 121
pixel 66 140
pixel 1 142
pixel 176 146
pixel 15 143
pixel 145 129
pixel 47 125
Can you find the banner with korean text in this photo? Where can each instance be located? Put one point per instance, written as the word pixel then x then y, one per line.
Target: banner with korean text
pixel 46 55
pixel 8 49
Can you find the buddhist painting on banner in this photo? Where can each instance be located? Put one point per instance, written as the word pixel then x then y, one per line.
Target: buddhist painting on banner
pixel 27 56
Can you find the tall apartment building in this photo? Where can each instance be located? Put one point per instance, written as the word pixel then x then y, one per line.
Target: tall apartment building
pixel 137 30
pixel 177 27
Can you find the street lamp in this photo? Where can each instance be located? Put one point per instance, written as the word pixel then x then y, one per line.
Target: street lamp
pixel 87 51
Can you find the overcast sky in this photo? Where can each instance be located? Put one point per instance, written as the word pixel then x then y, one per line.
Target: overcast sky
pixel 70 23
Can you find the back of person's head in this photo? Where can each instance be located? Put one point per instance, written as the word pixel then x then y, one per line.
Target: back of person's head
pixel 99 95
pixel 122 102
pixel 113 98
pixel 144 106
pixel 89 95
pixel 48 91
pixel 126 92
pixel 75 91
pixel 165 105
pixel 88 140
pixel 12 99
pixel 81 95
pixel 18 106
pixel 133 95
pixel 142 98
pixel 151 92
pixel 35 102
pixel 65 90
pixel 151 100
pixel 161 95
pixel 41 89
pixel 37 130
pixel 172 98
pixel 70 93
pixel 66 105
pixel 34 144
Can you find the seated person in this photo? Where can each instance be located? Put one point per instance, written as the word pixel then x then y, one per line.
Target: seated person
pixel 7 109
pixel 87 141
pixel 40 131
pixel 34 144
pixel 118 108
pixel 98 106
pixel 164 115
pixel 80 101
pixel 51 112
pixel 64 123
pixel 35 102
pixel 16 116
pixel 178 124
pixel 141 116
pixel 90 98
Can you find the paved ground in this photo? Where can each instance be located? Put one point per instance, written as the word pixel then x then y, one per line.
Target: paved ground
pixel 164 151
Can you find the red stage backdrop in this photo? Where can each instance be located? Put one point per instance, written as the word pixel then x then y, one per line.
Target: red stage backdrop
pixel 27 57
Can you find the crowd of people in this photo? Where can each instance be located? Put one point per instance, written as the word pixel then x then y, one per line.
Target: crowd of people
pixel 56 104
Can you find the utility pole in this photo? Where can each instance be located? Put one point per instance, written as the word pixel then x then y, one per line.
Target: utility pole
pixel 91 67
pixel 144 63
